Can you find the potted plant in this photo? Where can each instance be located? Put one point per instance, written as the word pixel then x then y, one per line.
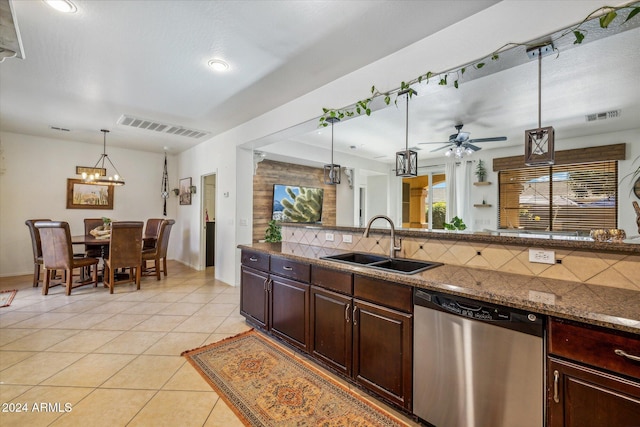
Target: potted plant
pixel 481 172
pixel 273 232
pixel 455 224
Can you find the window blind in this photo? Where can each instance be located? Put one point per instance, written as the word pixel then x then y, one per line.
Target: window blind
pixel 570 197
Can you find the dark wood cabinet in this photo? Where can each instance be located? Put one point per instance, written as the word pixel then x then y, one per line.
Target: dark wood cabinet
pixel 331 330
pixel 383 351
pixel 289 311
pixel 592 377
pixel 254 296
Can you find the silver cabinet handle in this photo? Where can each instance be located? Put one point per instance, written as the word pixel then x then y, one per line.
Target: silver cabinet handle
pixel 264 285
pixel 556 377
pixel 627 355
pixel 346 313
pixel 252 259
pixel 355 322
pixel 285 268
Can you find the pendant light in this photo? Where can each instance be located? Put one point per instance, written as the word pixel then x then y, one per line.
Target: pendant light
pixel 332 171
pixel 539 143
pixel 165 186
pixel 96 177
pixel 407 160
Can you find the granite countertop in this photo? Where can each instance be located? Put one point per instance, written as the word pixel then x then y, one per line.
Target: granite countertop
pixel 610 307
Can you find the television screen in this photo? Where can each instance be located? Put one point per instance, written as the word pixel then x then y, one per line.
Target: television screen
pixel 297 204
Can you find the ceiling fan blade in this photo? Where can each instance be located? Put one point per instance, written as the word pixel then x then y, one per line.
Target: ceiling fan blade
pixel 497 138
pixel 440 148
pixel 439 142
pixel 473 147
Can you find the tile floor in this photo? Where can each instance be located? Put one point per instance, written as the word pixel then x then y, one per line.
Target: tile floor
pixel 98 359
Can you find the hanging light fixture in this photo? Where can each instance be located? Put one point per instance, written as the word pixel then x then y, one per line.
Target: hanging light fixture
pixel 539 143
pixel 407 160
pixel 96 177
pixel 332 171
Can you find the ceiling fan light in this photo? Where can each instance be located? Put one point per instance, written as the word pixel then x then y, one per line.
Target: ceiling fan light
pixel 469 151
pixel 64 6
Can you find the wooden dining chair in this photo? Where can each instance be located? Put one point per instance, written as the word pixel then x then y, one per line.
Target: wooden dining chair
pixel 125 252
pixel 36 245
pixel 158 255
pixel 151 231
pixel 57 254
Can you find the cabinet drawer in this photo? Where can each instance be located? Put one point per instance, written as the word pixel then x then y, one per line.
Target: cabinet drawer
pixel 334 280
pixel 257 260
pixel 288 268
pixel 595 346
pixel 384 293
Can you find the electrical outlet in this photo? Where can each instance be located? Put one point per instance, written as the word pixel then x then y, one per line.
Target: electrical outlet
pixel 328 237
pixel 347 238
pixel 543 297
pixel 543 257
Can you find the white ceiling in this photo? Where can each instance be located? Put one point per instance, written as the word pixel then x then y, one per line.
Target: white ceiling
pixel 148 59
pixel 599 75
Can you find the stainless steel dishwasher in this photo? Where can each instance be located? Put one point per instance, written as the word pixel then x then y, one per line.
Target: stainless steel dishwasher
pixel 476 364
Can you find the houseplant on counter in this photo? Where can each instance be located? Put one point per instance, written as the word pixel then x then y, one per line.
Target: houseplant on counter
pixel 273 234
pixel 455 224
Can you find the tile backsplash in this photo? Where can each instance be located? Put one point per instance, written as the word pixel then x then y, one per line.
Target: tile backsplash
pixel 599 268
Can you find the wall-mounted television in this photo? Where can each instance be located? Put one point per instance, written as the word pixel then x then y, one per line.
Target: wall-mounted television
pixel 293 203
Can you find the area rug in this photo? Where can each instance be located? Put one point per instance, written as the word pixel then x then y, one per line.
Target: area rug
pixel 6 297
pixel 265 385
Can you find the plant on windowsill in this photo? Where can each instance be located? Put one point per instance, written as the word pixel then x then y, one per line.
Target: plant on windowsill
pixel 455 224
pixel 273 234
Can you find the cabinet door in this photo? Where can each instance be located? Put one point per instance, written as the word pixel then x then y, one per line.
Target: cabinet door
pixel 383 351
pixel 289 311
pixel 331 330
pixel 253 296
pixel 582 397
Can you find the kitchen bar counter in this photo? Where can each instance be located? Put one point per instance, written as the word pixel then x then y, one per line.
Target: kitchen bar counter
pixel 610 307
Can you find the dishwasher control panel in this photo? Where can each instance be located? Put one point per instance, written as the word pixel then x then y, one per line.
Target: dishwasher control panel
pixel 473 312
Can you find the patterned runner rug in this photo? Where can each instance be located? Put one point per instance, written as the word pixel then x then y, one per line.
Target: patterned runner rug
pixel 266 386
pixel 6 297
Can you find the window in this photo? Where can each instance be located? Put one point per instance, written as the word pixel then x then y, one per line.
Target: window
pixel 569 197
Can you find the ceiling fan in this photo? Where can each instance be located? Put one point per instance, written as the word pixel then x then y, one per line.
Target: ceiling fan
pixel 459 143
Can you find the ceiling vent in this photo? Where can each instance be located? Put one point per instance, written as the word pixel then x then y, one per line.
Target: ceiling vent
pixel 603 116
pixel 154 126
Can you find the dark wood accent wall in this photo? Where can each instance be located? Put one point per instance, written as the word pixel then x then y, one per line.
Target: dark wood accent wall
pixel 566 157
pixel 270 173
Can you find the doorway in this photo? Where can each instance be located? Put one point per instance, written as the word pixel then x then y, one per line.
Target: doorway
pixel 209 219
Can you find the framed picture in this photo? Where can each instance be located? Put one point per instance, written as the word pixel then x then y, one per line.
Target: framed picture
pixel 185 191
pixel 88 196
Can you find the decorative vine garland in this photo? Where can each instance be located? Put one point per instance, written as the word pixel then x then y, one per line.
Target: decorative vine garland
pixel 607 16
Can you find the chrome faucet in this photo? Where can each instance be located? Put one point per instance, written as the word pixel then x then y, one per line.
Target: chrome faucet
pixel 392 247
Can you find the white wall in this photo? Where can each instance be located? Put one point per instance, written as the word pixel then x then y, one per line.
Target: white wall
pixel 34 185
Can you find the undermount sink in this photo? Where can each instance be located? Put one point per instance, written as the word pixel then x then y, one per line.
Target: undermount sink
pixel 397 265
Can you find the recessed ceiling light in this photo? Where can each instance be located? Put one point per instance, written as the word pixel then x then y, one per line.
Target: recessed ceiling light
pixel 218 65
pixel 64 6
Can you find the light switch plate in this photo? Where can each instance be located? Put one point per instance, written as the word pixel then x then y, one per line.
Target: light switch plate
pixel 328 237
pixel 541 256
pixel 347 238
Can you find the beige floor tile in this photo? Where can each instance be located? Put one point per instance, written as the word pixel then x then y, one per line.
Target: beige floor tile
pixel 227 298
pixel 10 335
pixel 40 339
pixel 175 343
pixel 8 392
pixel 168 297
pixel 197 297
pixel 121 322
pixel 176 408
pixel 9 358
pixel 37 368
pixel 90 371
pixel 183 308
pixel 233 325
pixel 85 341
pixel 82 321
pixel 200 323
pixel 44 405
pixel 44 320
pixel 13 317
pixel 131 342
pixel 112 307
pixel 79 306
pixel 222 416
pixel 146 372
pixel 218 309
pixel 187 378
pixel 147 308
pixel 160 322
pixel 106 408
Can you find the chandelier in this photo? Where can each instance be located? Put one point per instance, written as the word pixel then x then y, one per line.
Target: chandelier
pixel 96 177
pixel 332 170
pixel 407 160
